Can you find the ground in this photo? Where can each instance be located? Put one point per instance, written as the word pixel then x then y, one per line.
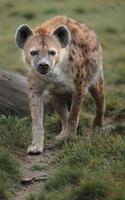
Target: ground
pixel 88 164
pixel 35 171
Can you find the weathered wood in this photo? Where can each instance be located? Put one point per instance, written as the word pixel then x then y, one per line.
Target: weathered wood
pixel 13 93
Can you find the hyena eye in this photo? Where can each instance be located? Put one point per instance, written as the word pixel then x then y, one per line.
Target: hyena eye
pixel 34 52
pixel 52 52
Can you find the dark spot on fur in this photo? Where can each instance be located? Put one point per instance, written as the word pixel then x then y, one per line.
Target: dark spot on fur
pixel 78 70
pixel 77 75
pixel 79 94
pixel 83 53
pixel 80 55
pixel 70 58
pixel 74 30
pixel 75 81
pixel 85 48
pixel 30 88
pixel 86 62
pixel 81 46
pixel 79 90
pixel 74 42
pixel 73 52
pixel 79 83
pixel 72 70
pixel 82 66
pixel 79 97
pixel 82 76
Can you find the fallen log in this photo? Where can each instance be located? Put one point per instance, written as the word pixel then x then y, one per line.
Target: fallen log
pixel 13 93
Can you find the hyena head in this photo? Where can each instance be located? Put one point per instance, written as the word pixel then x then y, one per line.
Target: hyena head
pixel 42 50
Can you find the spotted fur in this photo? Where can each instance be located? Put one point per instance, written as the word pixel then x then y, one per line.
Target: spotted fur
pixel 75 69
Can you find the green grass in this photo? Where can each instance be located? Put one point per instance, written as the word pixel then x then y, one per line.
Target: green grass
pixel 9 174
pixel 89 167
pixel 106 18
pixel 15 132
pixel 37 167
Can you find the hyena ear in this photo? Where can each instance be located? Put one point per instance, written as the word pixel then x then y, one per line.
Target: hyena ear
pixel 22 33
pixel 63 35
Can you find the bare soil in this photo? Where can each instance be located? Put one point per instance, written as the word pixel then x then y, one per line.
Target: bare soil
pixel 33 180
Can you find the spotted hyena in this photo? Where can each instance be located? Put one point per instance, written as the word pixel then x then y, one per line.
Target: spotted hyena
pixel 64 61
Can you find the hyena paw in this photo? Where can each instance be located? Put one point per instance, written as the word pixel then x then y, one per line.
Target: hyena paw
pixel 59 137
pixel 35 149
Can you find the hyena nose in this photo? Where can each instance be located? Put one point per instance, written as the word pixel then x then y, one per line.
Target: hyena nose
pixel 43 68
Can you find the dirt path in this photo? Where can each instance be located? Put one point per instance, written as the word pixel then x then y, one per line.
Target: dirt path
pixel 35 170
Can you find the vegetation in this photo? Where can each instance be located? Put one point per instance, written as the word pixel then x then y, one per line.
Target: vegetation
pixel 88 167
pixel 9 174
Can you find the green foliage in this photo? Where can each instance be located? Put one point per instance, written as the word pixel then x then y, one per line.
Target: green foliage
pixel 62 177
pixel 37 167
pixel 6 186
pixel 88 169
pixel 8 163
pixel 52 125
pixel 15 131
pixel 9 174
pixel 31 197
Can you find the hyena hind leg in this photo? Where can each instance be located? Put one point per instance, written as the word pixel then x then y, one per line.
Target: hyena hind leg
pixel 60 107
pixel 97 91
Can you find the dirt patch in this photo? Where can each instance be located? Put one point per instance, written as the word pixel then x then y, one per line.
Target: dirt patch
pixel 35 170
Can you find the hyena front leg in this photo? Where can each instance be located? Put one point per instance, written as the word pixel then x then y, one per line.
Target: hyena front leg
pixel 97 91
pixel 36 107
pixel 60 106
pixel 73 118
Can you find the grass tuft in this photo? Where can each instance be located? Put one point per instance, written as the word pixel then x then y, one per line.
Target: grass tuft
pixel 15 131
pixel 9 174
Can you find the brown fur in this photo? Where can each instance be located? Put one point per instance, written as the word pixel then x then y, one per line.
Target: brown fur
pixel 84 69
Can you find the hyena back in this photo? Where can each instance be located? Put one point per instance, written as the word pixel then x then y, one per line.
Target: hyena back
pixel 64 60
